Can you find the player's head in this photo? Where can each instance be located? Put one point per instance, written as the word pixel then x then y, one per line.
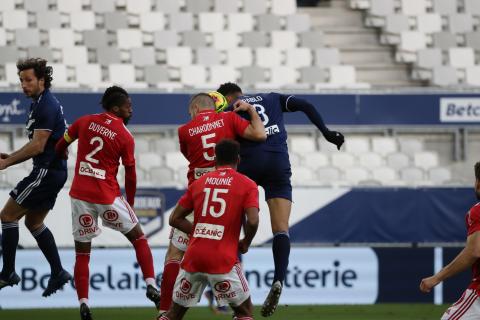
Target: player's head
pixel 117 101
pixel 199 102
pixel 35 76
pixel 477 180
pixel 227 153
pixel 231 91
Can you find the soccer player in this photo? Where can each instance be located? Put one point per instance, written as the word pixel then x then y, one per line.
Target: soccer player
pixel 197 142
pixel 268 165
pixel 35 195
pixel 220 200
pixel 468 307
pixel 103 140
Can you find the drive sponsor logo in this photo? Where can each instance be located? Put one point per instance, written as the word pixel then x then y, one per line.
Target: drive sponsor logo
pixel 223 286
pixel 10 109
pixel 460 110
pixel 185 286
pixel 110 215
pixel 208 231
pixel 86 220
pixel 86 169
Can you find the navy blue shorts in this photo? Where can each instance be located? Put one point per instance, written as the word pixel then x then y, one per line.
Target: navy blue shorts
pixel 40 188
pixel 270 170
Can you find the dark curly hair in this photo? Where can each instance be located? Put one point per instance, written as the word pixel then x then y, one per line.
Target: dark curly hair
pixel 39 66
pixel 477 170
pixel 113 96
pixel 229 88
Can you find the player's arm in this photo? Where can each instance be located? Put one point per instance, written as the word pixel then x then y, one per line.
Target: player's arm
pixel 464 260
pixel 255 130
pixel 128 161
pixel 250 227
pixel 179 221
pixel 293 104
pixel 70 135
pixel 29 150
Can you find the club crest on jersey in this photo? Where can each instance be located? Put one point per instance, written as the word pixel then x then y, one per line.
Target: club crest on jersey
pixel 206 118
pixel 86 220
pixel 108 121
pixel 110 215
pixel 223 286
pixel 185 286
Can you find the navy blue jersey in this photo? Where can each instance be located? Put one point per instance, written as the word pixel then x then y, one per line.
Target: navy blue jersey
pixel 46 113
pixel 270 107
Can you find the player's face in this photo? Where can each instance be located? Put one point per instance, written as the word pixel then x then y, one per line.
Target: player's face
pixel 233 96
pixel 31 85
pixel 477 188
pixel 125 111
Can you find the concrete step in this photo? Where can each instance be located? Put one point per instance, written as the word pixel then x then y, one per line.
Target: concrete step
pixel 382 73
pixel 371 57
pixel 343 39
pixel 328 17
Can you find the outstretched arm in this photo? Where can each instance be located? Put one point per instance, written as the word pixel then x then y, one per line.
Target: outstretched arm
pixel 29 150
pixel 465 259
pixel 293 104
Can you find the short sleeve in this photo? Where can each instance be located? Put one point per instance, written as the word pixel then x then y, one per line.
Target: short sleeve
pixel 238 123
pixel 251 199
pixel 473 219
pixel 128 153
pixel 186 201
pixel 181 140
pixel 45 117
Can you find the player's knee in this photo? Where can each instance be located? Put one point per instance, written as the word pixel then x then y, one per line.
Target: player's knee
pixel 135 233
pixel 32 226
pixel 173 253
pixel 6 217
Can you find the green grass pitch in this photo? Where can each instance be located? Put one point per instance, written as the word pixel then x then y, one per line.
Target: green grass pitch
pixel 360 312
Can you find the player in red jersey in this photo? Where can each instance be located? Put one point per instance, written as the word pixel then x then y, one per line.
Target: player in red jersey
pixel 197 142
pixel 468 307
pixel 220 200
pixel 103 140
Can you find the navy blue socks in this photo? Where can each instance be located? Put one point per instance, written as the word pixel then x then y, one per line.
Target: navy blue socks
pixel 281 252
pixel 47 244
pixel 9 247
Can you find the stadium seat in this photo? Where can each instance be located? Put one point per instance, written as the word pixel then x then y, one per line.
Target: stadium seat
pixel 429 23
pixel 108 55
pixel 370 160
pixel 303 176
pixel 165 145
pixel 240 22
pixel 115 20
pixel 7 5
pixel 473 40
pixel 61 38
pixel 425 160
pixel 311 39
pixel 221 74
pixel 283 39
pixel 168 6
pixel 194 39
pixel 357 145
pixel 11 75
pixel 473 75
pixel 15 174
pixel 75 55
pixel 385 175
pixel 26 38
pixel 298 22
pixel 156 74
pixel 255 39
pixel 313 75
pixel 355 175
pixel 283 76
pixel 95 38
pixel 193 75
pixel 460 23
pixel 268 57
pixel 139 6
pixel 43 52
pixel 143 56
pixel 124 74
pixel 255 6
pixel 384 145
pixel 83 20
pixel 342 160
pixel 413 7
pixel 69 5
pixel 397 160
pixel 162 176
pixel 226 6
pixel 61 77
pixel 208 56
pixel 444 76
pixel 179 56
pixel 429 58
pixel 438 176
pixel 88 74
pixel 225 40
pixel 142 145
pixel 444 40
pixel 283 7
pixel 328 176
pixel 253 74
pixel 3 37
pixel 199 6
pixel 445 7
pixel 412 40
pixel 342 75
pixel 165 39
pixel 148 160
pixel 181 21
pixel 315 160
pixel 461 57
pixel 396 23
pixel 269 22
pixel 412 175
pixel 4 143
pixel 14 19
pixel 152 21
pixel 326 57
pixel 302 144
pixel 211 21
pixel 102 6
pixel 473 7
pixel 239 57
pixel 381 7
pixel 298 57
pixel 48 20
pixel 129 38
pixel 176 161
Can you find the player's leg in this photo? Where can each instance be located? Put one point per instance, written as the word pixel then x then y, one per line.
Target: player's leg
pixel 244 311
pixel 82 277
pixel 466 308
pixel 46 242
pixel 121 217
pixel 176 312
pixel 171 267
pixel 10 215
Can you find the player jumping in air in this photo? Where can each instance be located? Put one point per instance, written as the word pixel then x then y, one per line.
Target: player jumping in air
pixel 468 307
pixel 35 195
pixel 268 165
pixel 197 142
pixel 220 200
pixel 103 140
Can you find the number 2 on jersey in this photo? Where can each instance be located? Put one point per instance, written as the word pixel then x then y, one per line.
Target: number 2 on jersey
pixel 89 157
pixel 215 199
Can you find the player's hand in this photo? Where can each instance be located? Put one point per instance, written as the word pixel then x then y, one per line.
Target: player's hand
pixel 243 246
pixel 241 105
pixel 4 155
pixel 428 283
pixel 336 138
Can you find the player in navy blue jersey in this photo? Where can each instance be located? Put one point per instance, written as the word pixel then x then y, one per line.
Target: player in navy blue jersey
pixel 35 195
pixel 269 166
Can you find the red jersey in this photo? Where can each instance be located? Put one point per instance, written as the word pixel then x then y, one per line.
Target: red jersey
pixel 103 140
pixel 219 200
pixel 472 220
pixel 199 137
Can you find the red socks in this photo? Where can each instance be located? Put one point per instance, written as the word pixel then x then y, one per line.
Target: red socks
pixel 82 274
pixel 170 272
pixel 144 257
